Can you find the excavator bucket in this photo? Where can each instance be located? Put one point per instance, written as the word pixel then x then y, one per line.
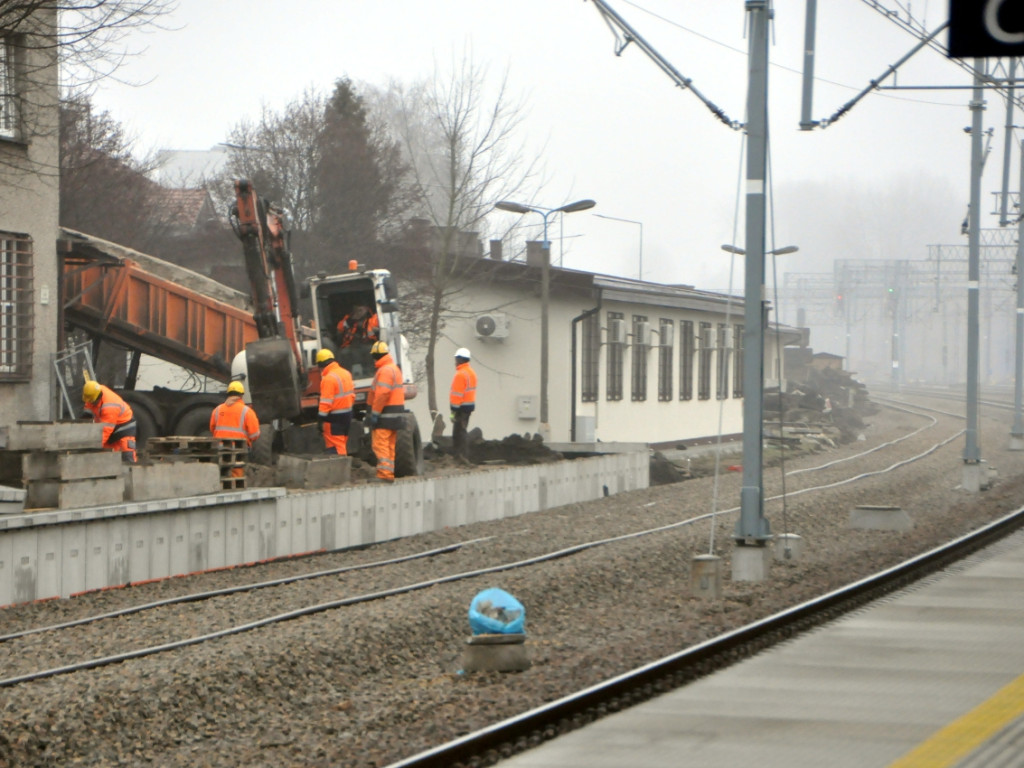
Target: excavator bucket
pixel 272 379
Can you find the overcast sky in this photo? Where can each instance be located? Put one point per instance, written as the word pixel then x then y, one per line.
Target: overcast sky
pixel 885 181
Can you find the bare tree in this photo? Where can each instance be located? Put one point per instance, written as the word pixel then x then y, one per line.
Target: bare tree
pixel 461 146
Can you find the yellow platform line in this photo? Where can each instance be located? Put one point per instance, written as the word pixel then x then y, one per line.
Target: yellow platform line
pixel 962 736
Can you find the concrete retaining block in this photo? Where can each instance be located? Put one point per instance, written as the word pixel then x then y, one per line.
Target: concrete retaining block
pixel 313 473
pixel 69 494
pixel 495 653
pixel 37 465
pixel 171 480
pixel 51 436
pixel 880 518
pixel 12 500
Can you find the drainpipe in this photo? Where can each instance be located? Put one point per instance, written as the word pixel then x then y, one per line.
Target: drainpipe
pixel 575 321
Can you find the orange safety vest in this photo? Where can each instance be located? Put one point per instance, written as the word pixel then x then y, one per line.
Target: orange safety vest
pixel 387 394
pixel 337 393
pixel 110 411
pixel 463 394
pixel 365 330
pixel 234 420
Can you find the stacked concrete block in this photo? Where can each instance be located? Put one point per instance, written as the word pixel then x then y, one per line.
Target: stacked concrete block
pixel 315 473
pixel 12 500
pixel 66 479
pixel 171 480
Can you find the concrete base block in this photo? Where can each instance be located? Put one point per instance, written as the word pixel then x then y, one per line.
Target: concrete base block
pixel 495 653
pixel 1017 442
pixel 51 436
pixel 94 492
pixel 171 480
pixel 750 562
pixel 788 547
pixel 880 518
pixel 975 477
pixel 12 500
pixel 62 465
pixel 706 577
pixel 320 472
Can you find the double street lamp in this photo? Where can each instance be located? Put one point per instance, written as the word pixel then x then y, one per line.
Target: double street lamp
pixel 545 278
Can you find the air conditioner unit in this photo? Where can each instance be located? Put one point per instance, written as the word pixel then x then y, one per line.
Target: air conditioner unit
pixel 492 326
pixel 665 334
pixel 616 332
pixel 643 334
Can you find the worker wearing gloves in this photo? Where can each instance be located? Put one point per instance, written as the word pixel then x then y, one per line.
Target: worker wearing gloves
pixel 234 420
pixel 337 396
pixel 107 408
pixel 386 402
pixel 463 402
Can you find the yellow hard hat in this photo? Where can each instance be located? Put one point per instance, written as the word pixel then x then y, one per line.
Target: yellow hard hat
pixel 91 391
pixel 236 388
pixel 379 348
pixel 324 355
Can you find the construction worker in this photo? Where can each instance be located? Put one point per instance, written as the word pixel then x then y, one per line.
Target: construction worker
pixel 360 326
pixel 234 420
pixel 463 402
pixel 337 396
pixel 386 402
pixel 115 415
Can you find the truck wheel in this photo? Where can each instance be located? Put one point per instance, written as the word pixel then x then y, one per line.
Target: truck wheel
pixel 146 411
pixel 409 449
pixel 195 422
pixel 263 446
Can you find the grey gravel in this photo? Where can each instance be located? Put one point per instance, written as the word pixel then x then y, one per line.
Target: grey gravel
pixel 368 684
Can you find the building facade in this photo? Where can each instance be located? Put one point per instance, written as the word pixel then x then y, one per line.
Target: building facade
pixel 29 206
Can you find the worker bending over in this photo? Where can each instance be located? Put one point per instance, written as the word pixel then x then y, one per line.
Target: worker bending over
pixel 463 402
pixel 234 420
pixel 115 415
pixel 386 402
pixel 337 396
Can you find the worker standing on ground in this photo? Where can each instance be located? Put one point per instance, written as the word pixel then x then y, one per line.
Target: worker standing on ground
pixel 386 402
pixel 337 396
pixel 115 415
pixel 234 420
pixel 463 402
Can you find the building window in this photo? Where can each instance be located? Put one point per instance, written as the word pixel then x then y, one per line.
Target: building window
pixel 722 345
pixel 737 376
pixel 686 351
pixel 589 373
pixel 16 328
pixel 9 122
pixel 665 360
pixel 641 344
pixel 704 352
pixel 616 347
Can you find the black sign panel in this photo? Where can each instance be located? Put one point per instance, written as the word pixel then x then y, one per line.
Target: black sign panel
pixel 983 28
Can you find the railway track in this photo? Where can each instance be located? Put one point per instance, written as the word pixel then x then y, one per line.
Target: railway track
pixel 588 576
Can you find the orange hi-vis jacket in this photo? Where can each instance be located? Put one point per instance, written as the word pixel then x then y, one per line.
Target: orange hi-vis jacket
pixel 111 411
pixel 337 394
pixel 234 420
pixel 463 394
pixel 363 330
pixel 387 395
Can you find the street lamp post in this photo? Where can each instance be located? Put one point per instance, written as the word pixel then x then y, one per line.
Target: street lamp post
pixel 545 279
pixel 640 261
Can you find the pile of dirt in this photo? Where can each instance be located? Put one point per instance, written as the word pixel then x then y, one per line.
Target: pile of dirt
pixel 514 449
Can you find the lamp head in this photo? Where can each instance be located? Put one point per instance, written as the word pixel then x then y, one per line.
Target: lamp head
pixel 506 205
pixel 579 205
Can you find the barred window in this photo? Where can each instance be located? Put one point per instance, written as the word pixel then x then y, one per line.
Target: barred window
pixel 16 326
pixel 686 352
pixel 641 344
pixel 9 122
pixel 589 373
pixel 722 348
pixel 665 360
pixel 704 353
pixel 737 376
pixel 616 347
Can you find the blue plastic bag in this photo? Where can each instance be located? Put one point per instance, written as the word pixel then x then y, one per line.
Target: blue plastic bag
pixel 495 612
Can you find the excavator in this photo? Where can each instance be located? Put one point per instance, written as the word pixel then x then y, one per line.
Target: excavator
pixel 155 308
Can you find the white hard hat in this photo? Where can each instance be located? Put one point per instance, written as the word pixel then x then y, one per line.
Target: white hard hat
pixel 462 352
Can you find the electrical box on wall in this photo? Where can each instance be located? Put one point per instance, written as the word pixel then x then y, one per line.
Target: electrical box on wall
pixel 526 406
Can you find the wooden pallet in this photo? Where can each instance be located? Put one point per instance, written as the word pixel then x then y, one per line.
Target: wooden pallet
pixel 232 483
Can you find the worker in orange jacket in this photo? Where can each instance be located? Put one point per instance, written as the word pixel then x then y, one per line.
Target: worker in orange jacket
pixel 386 401
pixel 361 325
pixel 234 420
pixel 463 402
pixel 110 410
pixel 337 396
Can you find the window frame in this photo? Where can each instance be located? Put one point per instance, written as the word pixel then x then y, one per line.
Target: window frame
pixel 665 366
pixel 614 383
pixel 17 307
pixel 687 351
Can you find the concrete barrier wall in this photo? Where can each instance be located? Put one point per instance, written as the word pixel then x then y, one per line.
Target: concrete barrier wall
pixel 63 553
